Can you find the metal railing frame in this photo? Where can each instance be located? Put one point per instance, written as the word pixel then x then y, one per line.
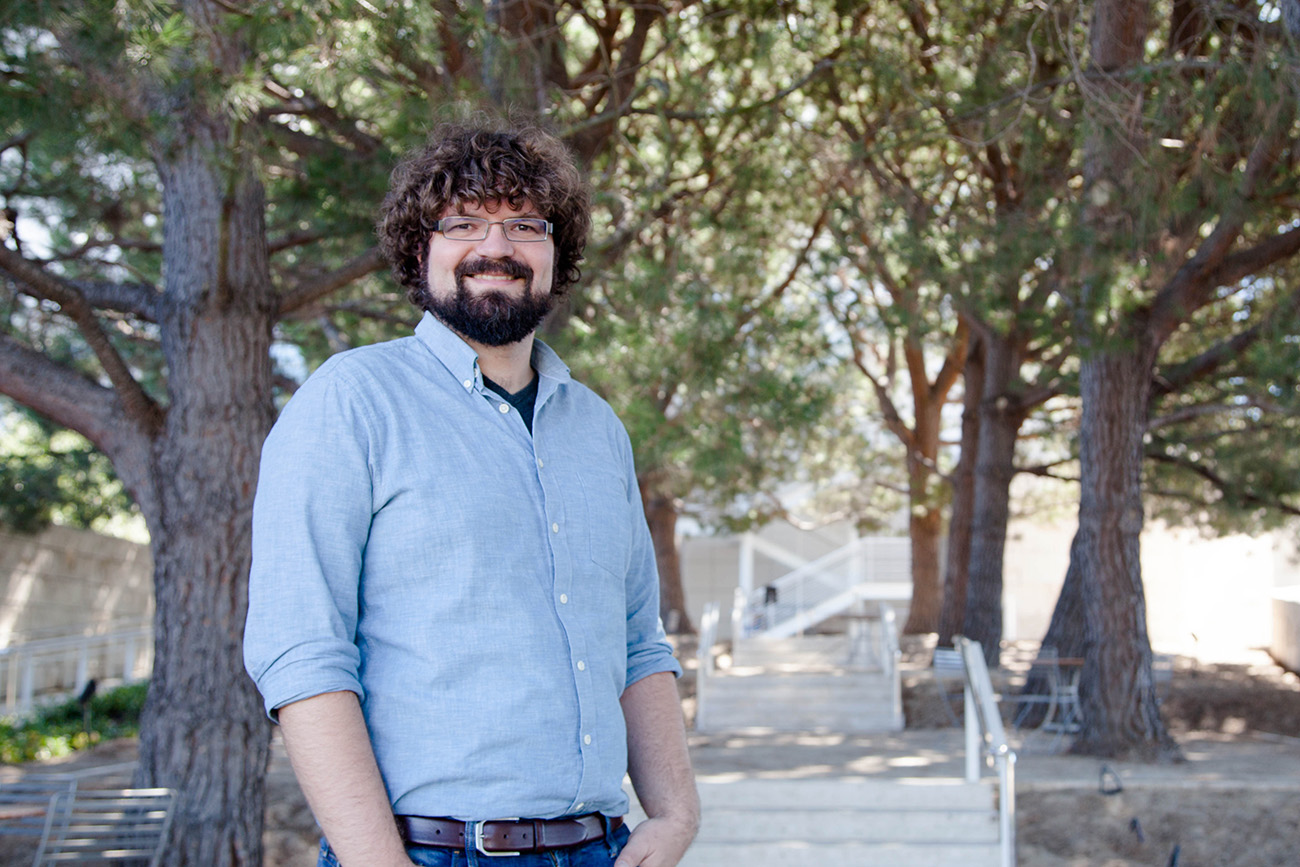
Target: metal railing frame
pixel 19 663
pixel 854 566
pixel 704 655
pixel 986 736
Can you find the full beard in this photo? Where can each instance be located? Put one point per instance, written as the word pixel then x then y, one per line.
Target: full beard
pixel 491 318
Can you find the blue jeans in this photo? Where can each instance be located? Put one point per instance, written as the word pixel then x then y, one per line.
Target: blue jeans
pixel 601 853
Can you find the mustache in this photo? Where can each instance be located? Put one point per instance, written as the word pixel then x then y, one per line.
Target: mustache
pixel 501 267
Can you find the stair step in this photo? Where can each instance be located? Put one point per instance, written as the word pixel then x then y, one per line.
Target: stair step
pixel 851 826
pixel 807 650
pixel 797 854
pixel 853 793
pixel 853 702
pixel 844 822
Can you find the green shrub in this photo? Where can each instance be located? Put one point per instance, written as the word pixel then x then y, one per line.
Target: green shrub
pixel 63 728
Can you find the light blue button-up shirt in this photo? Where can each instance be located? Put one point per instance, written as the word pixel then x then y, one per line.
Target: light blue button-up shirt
pixel 488 595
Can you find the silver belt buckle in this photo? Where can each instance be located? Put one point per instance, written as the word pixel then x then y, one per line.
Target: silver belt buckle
pixel 478 839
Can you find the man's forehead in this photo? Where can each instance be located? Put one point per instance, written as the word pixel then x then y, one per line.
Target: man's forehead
pixel 491 206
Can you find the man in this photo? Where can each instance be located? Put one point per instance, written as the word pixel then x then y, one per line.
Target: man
pixel 453 607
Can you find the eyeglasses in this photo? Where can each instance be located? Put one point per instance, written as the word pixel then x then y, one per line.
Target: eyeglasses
pixel 476 228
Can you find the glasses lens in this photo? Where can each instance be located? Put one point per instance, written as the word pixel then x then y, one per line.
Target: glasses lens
pixel 526 229
pixel 463 228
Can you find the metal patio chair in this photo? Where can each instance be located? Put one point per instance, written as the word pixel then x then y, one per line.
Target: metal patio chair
pixel 107 826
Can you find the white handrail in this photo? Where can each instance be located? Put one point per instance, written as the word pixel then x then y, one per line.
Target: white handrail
pixel 984 725
pixel 891 656
pixel 704 655
pixel 820 588
pixel 127 651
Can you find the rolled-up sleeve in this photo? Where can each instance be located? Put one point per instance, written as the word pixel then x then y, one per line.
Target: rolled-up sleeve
pixel 648 650
pixel 311 520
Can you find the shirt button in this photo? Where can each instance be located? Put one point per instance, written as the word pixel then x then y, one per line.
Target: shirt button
pixel 580 805
pixel 582 666
pixel 564 598
pixel 505 407
pixel 469 383
pixel 586 739
pixel 555 528
pixel 539 463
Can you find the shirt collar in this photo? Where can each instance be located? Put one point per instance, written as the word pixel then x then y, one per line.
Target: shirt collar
pixel 462 361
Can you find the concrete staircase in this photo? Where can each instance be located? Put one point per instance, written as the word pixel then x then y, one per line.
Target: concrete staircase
pixel 809 684
pixel 845 822
pixel 810 816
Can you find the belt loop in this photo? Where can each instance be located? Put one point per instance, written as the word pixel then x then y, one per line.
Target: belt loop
pixel 610 845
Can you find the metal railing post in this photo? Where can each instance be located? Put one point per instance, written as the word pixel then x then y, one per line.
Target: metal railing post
pixel 27 690
pixel 746 565
pixel 973 739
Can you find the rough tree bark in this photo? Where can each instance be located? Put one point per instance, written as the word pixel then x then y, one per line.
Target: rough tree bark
pixel 925 513
pixel 1001 413
pixel 204 731
pixel 962 514
pixel 1120 706
pixel 925 532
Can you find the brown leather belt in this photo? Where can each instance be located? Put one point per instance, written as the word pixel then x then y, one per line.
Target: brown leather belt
pixel 506 836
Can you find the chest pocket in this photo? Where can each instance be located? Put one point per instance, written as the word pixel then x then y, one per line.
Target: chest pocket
pixel 608 520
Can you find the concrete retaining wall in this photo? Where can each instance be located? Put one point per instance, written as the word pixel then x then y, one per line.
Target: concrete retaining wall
pixel 1286 628
pixel 63 580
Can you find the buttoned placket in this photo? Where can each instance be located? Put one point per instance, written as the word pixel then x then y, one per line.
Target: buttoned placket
pixel 563 554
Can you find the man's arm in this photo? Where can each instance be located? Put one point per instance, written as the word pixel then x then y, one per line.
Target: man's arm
pixel 329 748
pixel 660 768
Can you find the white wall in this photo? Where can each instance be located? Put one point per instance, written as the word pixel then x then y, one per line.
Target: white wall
pixel 1210 597
pixel 1286 627
pixel 62 580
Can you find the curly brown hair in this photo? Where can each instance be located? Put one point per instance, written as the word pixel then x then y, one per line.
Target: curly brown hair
pixel 462 164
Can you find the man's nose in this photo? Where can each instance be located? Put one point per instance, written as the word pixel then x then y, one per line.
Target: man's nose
pixel 496 244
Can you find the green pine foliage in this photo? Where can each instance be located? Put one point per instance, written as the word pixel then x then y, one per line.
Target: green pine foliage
pixel 50 475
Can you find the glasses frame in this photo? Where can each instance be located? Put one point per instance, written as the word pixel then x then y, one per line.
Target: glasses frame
pixel 505 228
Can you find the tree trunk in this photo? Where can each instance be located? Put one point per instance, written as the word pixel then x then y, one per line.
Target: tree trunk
pixel 661 515
pixel 925 519
pixel 1121 716
pixel 1120 707
pixel 925 529
pixel 961 517
pixel 1000 416
pixel 203 730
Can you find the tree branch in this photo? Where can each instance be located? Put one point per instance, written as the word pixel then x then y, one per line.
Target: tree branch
pixel 310 291
pixel 1246 262
pixel 1224 486
pixel 1193 285
pixel 137 404
pixel 138 299
pixel 67 398
pixel 800 259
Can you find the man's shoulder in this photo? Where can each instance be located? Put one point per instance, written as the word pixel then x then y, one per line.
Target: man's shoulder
pixel 363 362
pixel 588 401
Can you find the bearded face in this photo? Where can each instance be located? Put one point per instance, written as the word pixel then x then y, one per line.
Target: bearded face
pixel 492 291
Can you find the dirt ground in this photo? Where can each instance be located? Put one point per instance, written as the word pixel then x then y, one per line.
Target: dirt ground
pixel 1252 824
pixel 1234 823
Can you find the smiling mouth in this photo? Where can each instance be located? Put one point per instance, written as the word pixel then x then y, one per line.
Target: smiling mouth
pixel 499 278
pixel 494 271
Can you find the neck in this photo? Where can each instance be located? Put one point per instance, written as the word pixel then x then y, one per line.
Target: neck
pixel 510 366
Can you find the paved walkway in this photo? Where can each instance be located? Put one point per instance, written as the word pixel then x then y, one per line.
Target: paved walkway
pixel 1245 761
